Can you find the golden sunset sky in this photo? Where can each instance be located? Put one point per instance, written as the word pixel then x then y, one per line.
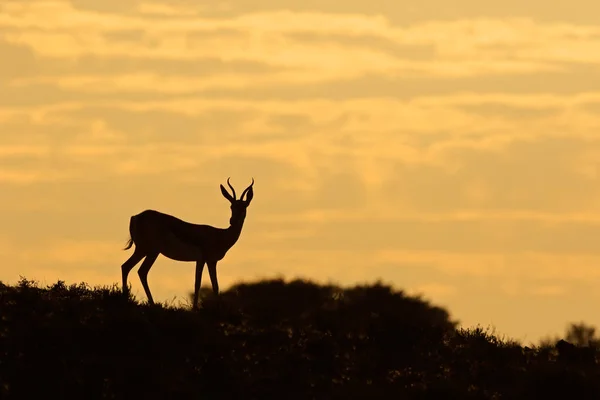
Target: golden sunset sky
pixel 447 148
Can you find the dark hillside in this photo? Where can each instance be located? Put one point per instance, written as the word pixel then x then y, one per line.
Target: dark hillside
pixel 269 339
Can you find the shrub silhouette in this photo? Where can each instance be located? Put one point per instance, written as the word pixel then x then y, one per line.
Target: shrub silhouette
pixel 578 334
pixel 582 334
pixel 269 339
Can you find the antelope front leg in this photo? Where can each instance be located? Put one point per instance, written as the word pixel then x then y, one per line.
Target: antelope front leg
pixel 212 271
pixel 197 282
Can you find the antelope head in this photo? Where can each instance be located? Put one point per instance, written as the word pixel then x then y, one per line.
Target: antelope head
pixel 238 206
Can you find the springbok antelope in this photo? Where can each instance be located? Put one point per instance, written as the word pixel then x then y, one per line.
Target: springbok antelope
pixel 154 233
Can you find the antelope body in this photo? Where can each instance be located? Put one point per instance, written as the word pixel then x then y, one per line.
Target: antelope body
pixel 154 233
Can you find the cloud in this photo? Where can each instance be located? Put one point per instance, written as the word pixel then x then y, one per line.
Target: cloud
pixel 521 175
pixel 582 13
pixel 549 290
pixel 435 290
pixel 243 38
pixel 67 253
pixel 370 41
pixel 533 269
pixel 22 60
pixel 24 177
pixel 158 126
pixel 139 83
pixel 25 63
pixel 506 111
pixel 477 237
pixel 19 151
pixel 572 79
pixel 340 191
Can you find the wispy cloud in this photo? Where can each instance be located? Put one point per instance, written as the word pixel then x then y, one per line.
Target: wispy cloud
pixel 549 290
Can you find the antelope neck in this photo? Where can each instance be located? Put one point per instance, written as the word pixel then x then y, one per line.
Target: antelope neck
pixel 235 229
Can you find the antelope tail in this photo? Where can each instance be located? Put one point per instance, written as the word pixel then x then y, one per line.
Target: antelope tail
pixel 129 244
pixel 131 228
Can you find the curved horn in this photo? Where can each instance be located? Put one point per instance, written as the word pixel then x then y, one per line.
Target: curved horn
pixel 246 190
pixel 231 187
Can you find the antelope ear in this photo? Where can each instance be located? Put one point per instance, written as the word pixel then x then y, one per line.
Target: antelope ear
pixel 226 194
pixel 249 196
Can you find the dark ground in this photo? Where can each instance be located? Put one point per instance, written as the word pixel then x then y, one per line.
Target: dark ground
pixel 269 339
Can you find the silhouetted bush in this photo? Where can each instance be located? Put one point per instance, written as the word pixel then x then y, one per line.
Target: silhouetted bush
pixel 269 339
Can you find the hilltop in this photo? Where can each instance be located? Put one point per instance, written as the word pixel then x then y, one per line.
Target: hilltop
pixel 269 339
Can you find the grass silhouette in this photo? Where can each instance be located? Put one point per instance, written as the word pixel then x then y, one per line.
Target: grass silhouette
pixel 268 339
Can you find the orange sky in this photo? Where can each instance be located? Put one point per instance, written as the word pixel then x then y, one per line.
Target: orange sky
pixel 447 148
